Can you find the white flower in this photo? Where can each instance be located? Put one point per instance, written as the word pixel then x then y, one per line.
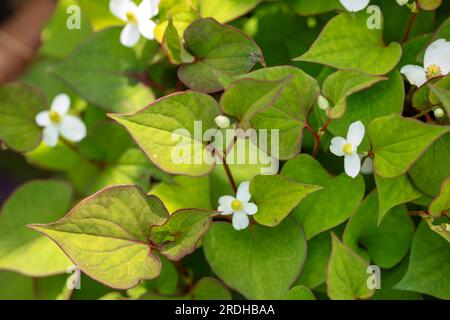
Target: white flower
pixel 137 19
pixel 239 206
pixel 402 2
pixel 349 148
pixel 436 64
pixel 354 5
pixel 367 165
pixel 222 122
pixel 57 121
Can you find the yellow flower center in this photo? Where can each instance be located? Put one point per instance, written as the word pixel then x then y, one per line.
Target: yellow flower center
pixel 236 205
pixel 347 148
pixel 55 117
pixel 131 17
pixel 433 71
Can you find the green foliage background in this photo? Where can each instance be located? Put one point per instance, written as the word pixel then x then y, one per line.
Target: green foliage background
pixel 142 227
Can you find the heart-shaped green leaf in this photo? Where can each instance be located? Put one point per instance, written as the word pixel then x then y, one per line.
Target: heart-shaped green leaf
pixel 443 96
pixel 326 208
pixel 398 142
pixel 104 72
pixel 19 105
pixel 428 265
pixel 228 52
pixel 174 46
pixel 107 235
pixel 245 98
pixel 288 113
pixel 394 191
pixel 259 262
pixel 347 43
pixel 347 277
pixel 178 237
pixel 341 84
pixel 170 132
pixel 432 168
pixel 386 243
pixel 442 203
pixel 21 249
pixel 276 196
pixel 300 293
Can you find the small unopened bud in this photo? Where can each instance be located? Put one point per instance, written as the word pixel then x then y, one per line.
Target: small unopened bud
pixel 445 227
pixel 323 103
pixel 438 113
pixel 402 2
pixel 414 8
pixel 311 22
pixel 222 122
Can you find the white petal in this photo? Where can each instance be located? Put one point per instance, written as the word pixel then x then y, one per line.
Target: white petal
pixel 61 104
pixel 72 128
pixel 129 36
pixel 415 74
pixel 367 166
pixel 352 165
pixel 119 8
pixel 147 29
pixel 354 5
pixel 240 220
pixel 43 119
pixel 50 135
pixel 243 192
pixel 356 133
pixel 250 208
pixel 225 205
pixel 148 9
pixel 336 146
pixel 438 53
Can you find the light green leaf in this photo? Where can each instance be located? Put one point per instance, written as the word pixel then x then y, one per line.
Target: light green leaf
pixel 382 99
pixel 98 14
pixel 326 208
pixel 276 196
pixel 245 98
pixel 107 235
pixel 314 271
pixel 228 52
pixel 341 84
pixel 308 7
pixel 19 105
pixel 184 192
pixel 15 286
pixel 179 235
pixel 432 168
pixel 167 131
pixel 226 10
pixel 386 243
pixel 174 46
pixel 429 265
pixel 210 289
pixel 259 262
pixel 394 191
pixel 299 293
pixel 105 73
pixel 398 142
pixel 347 43
pixel 288 113
pixel 439 228
pixel 21 249
pixel 443 96
pixel 442 203
pixel 346 279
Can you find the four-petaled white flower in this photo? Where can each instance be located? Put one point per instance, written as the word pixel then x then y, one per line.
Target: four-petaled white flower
pixel 137 19
pixel 56 121
pixel 354 5
pixel 436 64
pixel 239 206
pixel 349 148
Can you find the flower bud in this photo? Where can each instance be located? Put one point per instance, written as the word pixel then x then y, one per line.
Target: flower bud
pixel 323 103
pixel 311 22
pixel 438 113
pixel 402 2
pixel 222 122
